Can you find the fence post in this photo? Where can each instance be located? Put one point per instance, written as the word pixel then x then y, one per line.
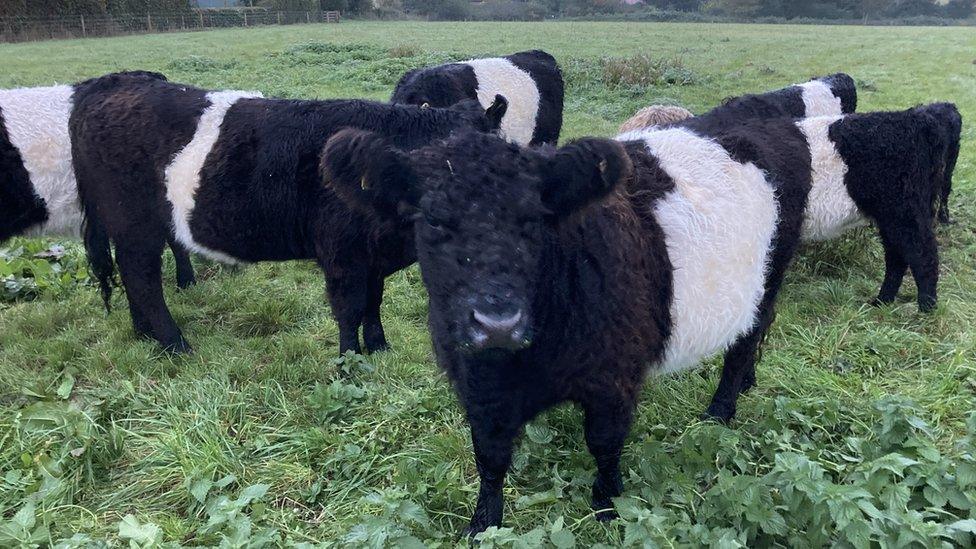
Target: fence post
pixel 308 18
pixel 201 18
pixel 245 18
pixel 182 22
pixel 149 22
pixel 279 17
pixel 83 33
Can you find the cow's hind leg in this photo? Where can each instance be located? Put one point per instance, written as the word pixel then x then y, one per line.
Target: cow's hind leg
pixel 739 369
pixel 895 266
pixel 374 337
pixel 140 267
pixel 924 263
pixel 184 268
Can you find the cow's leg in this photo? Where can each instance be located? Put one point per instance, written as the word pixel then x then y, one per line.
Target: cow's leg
pixel 184 268
pixel 140 267
pixel 347 296
pixel 895 266
pixel 607 422
pixel 740 365
pixel 922 253
pixel 373 336
pixel 493 444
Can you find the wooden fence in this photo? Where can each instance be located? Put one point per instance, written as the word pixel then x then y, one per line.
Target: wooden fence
pixel 19 29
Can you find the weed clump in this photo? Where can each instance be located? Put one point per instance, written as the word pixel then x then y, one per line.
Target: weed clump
pixel 643 71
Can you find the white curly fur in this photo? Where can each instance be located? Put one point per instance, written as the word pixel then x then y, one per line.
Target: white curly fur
pixel 183 172
pixel 500 76
pixel 718 223
pixel 819 99
pixel 830 210
pixel 36 120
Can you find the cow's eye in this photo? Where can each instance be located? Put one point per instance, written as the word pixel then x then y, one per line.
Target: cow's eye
pixel 435 222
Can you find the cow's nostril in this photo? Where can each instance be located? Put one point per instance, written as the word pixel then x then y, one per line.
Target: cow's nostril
pixel 496 324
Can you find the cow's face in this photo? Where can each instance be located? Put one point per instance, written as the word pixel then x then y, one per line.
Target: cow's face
pixel 440 87
pixel 483 211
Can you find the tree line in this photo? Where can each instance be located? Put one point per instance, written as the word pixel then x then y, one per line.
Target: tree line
pixel 525 9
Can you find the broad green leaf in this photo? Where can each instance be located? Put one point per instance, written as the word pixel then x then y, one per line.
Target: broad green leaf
pixel 562 539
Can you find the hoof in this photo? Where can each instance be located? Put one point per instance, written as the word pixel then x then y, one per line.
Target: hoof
pixel 926 306
pixel 719 413
pixel 184 284
pixel 881 301
pixel 473 530
pixel 356 349
pixel 179 347
pixel 378 347
pixel 606 515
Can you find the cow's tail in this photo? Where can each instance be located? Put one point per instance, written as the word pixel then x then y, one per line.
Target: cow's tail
pixel 99 249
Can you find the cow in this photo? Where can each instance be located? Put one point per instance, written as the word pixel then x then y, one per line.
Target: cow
pixel 886 168
pixel 234 177
pixel 567 274
pixel 530 80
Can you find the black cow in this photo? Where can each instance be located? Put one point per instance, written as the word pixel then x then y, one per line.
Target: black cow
pixel 235 177
pixel 530 80
pixel 38 192
pixel 565 275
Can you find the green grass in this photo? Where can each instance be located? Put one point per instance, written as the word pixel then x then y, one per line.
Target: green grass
pixel 96 425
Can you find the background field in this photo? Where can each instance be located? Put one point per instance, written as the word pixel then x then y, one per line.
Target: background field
pixel 263 436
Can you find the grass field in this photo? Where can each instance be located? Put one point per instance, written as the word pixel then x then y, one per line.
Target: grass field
pixel 856 433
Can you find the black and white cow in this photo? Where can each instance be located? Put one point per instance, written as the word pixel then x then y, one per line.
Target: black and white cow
pixel 235 178
pixel 889 168
pixel 825 96
pixel 566 274
pixel 530 80
pixel 38 192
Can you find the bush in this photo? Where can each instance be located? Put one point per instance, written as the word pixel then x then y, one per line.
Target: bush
pixel 448 10
pixel 959 9
pixel 643 71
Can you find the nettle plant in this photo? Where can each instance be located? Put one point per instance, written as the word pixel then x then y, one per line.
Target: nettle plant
pixel 813 473
pixel 34 267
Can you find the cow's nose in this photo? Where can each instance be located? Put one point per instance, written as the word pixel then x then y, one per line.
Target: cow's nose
pixel 492 331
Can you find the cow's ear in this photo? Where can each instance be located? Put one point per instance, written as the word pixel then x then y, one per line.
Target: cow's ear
pixel 582 172
pixel 367 172
pixel 495 112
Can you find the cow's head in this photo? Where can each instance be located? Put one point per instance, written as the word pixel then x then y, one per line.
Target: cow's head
pixel 483 212
pixel 437 87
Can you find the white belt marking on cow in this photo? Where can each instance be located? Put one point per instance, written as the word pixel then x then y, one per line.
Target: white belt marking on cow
pixel 819 99
pixel 830 210
pixel 183 172
pixel 36 120
pixel 500 76
pixel 718 223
